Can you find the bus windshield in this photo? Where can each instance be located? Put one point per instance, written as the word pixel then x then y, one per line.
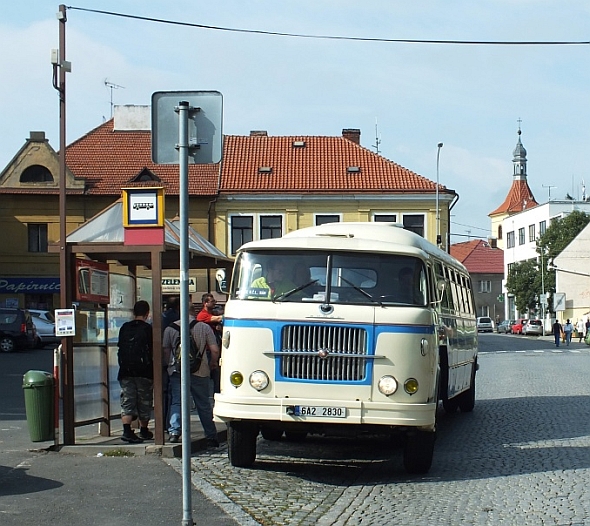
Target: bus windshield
pixel 334 277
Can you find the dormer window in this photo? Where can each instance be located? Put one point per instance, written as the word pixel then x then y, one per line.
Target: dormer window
pixel 298 144
pixel 353 169
pixel 265 170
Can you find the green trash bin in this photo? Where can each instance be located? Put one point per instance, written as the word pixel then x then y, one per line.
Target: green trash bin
pixel 39 405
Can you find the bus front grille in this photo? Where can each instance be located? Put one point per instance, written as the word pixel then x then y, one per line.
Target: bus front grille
pixel 308 342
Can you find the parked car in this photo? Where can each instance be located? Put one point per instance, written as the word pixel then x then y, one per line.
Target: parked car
pixel 16 330
pixel 518 327
pixel 505 326
pixel 533 327
pixel 485 324
pixel 45 326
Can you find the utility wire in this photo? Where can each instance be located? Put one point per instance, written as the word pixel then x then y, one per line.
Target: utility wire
pixel 334 37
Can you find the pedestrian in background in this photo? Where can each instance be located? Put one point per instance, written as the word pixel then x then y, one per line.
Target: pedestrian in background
pixel 136 373
pixel 568 328
pixel 199 381
pixel 557 330
pixel 581 328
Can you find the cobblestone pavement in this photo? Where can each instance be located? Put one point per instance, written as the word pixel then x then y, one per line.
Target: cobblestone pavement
pixel 521 458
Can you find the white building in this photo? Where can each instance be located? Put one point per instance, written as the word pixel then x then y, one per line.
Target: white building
pixel 521 231
pixel 572 276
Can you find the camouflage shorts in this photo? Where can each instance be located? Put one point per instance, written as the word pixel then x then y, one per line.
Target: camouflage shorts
pixel 137 396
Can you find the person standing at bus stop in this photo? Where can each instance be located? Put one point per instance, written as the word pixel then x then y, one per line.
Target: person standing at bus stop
pixel 557 331
pixel 208 315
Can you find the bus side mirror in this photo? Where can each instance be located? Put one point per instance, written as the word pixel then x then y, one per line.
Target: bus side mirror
pixel 220 280
pixel 440 287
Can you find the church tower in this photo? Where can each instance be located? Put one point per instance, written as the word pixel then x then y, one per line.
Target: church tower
pixel 519 196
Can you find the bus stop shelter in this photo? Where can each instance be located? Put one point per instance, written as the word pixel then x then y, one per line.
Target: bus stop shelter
pixel 102 239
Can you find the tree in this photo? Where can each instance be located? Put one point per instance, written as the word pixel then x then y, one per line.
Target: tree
pixel 524 282
pixel 560 233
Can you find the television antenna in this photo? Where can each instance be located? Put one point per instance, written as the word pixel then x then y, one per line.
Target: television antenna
pixel 377 140
pixel 112 86
pixel 549 186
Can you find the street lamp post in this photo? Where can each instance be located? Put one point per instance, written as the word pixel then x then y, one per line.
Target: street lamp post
pixel 438 238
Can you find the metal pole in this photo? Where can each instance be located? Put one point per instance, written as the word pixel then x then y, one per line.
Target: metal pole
pixel 438 241
pixel 185 379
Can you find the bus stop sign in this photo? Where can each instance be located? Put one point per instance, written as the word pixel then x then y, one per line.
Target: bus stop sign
pixel 204 126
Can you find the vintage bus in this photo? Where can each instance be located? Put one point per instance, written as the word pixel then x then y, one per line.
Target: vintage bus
pixel 342 329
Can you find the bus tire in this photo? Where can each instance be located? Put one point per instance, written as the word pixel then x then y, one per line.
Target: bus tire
pixel 241 442
pixel 450 405
pixel 271 434
pixel 418 452
pixel 467 399
pixel 295 436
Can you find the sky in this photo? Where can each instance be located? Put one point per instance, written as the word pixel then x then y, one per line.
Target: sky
pixel 404 97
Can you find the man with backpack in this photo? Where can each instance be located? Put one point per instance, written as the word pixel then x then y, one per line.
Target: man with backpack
pixel 203 338
pixel 136 373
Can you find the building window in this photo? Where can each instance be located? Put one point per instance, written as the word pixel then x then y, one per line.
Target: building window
pixel 414 223
pixel 242 231
pixel 271 227
pixel 37 237
pixel 542 227
pixel 385 218
pixel 485 286
pixel 521 239
pixel 510 239
pixel 322 219
pixel 36 174
pixel 484 310
pixel 500 232
pixel 532 237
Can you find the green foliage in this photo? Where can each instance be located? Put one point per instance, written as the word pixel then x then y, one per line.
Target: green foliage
pixel 119 452
pixel 524 282
pixel 561 233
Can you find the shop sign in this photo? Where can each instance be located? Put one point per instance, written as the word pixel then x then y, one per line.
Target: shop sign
pixel 172 285
pixel 26 285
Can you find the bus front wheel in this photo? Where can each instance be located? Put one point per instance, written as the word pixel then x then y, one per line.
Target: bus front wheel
pixel 418 452
pixel 241 442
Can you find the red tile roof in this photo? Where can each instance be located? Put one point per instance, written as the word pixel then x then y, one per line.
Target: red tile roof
pixel 479 257
pixel 321 165
pixel 519 198
pixel 109 160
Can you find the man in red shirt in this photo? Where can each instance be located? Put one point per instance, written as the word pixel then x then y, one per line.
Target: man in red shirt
pixel 207 316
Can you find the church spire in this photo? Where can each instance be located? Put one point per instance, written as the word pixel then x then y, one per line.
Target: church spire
pixel 519 158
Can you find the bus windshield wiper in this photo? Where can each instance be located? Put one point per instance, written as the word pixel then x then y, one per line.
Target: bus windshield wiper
pixel 284 295
pixel 363 292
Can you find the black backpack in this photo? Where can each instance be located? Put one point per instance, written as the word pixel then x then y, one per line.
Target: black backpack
pixel 194 356
pixel 134 345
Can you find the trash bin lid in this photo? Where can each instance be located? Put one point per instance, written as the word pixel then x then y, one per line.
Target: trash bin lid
pixel 37 379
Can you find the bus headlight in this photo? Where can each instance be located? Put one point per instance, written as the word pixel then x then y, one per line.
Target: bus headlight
pixel 225 339
pixel 259 380
pixel 411 386
pixel 387 385
pixel 236 378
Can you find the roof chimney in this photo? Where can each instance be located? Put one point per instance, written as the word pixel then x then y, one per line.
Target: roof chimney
pixel 493 242
pixel 258 133
pixel 37 136
pixel 352 134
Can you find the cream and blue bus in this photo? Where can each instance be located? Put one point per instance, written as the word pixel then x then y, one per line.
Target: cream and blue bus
pixel 346 328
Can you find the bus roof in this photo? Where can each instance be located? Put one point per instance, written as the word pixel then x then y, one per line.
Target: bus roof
pixel 363 237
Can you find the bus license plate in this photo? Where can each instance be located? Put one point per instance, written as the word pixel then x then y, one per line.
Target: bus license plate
pixel 318 411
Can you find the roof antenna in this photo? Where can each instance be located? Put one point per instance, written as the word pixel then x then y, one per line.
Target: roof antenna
pixel 112 86
pixel 377 139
